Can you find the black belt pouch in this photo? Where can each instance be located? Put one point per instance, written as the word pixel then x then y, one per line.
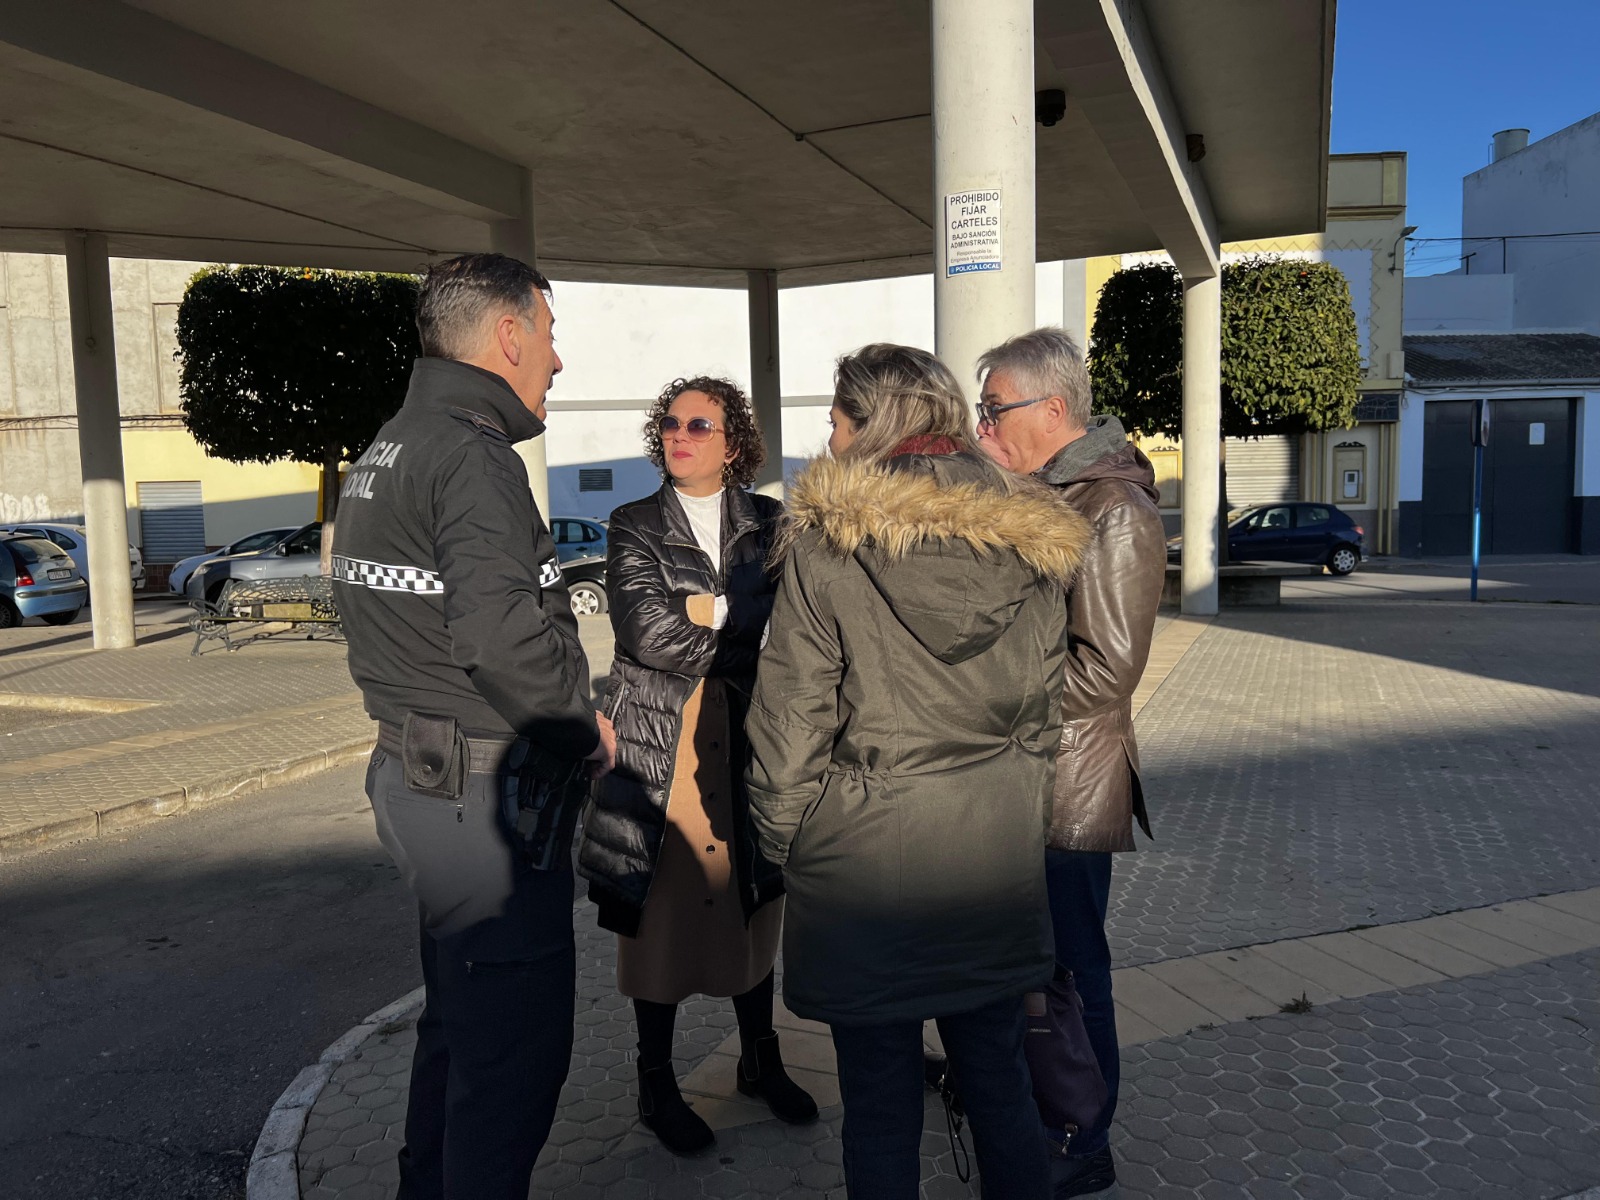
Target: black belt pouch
pixel 434 755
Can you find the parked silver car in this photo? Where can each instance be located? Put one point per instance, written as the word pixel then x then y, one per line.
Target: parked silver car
pixel 259 540
pixel 38 579
pixel 74 539
pixel 298 554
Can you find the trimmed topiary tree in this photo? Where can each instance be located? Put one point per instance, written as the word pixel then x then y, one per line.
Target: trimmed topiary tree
pixel 294 363
pixel 1291 360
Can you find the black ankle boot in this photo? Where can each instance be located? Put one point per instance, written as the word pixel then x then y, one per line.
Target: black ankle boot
pixel 665 1113
pixel 761 1074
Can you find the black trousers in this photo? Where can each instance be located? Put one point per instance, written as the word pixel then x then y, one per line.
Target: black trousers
pixel 1080 891
pixel 494 1042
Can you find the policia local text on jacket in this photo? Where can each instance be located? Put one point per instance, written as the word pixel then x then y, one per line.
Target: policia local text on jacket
pixel 463 642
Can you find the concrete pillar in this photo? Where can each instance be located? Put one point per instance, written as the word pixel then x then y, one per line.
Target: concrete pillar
pixel 1202 441
pixel 766 387
pixel 983 177
pixel 514 236
pixel 105 492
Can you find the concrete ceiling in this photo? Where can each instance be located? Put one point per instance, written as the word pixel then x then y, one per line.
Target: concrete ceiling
pixel 668 140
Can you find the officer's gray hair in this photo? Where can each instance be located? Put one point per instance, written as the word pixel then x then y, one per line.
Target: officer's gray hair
pixel 1046 362
pixel 461 295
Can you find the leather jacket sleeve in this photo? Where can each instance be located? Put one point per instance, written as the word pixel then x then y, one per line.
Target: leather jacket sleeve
pixel 651 623
pixel 510 620
pixel 1111 610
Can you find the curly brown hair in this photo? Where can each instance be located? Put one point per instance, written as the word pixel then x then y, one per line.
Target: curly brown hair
pixel 738 418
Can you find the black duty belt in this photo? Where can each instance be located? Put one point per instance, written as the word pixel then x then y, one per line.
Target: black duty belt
pixel 493 754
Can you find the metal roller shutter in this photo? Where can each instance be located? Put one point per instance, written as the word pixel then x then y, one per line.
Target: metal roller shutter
pixel 172 521
pixel 1263 470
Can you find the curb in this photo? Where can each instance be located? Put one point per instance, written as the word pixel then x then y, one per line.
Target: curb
pixel 274 1172
pixel 118 818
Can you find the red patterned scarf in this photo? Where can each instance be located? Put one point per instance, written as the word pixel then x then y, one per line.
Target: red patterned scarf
pixel 926 443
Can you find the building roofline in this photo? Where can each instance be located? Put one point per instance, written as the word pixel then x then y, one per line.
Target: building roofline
pixel 1451 385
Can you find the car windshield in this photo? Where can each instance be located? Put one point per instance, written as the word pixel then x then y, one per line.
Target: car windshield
pixel 256 541
pixel 30 551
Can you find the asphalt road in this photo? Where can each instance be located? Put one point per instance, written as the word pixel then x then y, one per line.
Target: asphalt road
pixel 158 991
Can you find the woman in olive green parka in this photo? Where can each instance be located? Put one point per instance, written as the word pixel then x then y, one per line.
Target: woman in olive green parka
pixel 903 730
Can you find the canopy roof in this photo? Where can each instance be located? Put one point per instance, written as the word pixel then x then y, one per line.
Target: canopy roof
pixel 681 141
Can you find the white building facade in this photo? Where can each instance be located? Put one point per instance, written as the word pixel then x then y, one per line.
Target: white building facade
pixel 1517 325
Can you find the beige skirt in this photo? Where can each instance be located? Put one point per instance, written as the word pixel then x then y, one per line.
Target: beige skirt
pixel 692 933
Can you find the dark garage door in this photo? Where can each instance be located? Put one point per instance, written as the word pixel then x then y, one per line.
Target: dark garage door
pixel 1527 477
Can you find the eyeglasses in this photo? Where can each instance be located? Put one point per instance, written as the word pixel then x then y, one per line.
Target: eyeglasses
pixel 699 429
pixel 989 414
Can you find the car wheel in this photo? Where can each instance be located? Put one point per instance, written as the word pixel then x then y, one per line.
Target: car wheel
pixel 62 618
pixel 9 616
pixel 588 599
pixel 1343 560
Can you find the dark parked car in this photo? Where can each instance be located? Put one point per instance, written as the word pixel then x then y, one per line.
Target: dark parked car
pixel 578 537
pixel 586 580
pixel 1294 532
pixel 38 579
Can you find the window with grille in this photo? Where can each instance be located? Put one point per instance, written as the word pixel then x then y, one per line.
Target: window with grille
pixel 594 479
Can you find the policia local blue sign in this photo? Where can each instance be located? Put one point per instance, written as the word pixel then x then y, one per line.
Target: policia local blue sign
pixel 972 232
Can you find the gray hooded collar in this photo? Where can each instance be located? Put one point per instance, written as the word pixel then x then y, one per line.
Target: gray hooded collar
pixel 1105 436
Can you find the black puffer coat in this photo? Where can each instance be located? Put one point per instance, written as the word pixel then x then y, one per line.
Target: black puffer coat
pixel 653 565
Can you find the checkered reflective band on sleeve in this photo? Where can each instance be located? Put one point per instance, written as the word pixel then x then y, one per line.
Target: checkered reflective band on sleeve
pixel 382 578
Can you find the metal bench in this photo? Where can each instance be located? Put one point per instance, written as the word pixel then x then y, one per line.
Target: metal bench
pixel 1242 585
pixel 305 604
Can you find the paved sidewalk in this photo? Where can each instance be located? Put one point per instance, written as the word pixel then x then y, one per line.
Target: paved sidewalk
pixel 93 742
pixel 1353 804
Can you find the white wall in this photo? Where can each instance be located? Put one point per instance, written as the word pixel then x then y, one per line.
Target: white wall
pixel 1588 440
pixel 621 345
pixel 1553 186
pixel 1467 303
pixel 1412 429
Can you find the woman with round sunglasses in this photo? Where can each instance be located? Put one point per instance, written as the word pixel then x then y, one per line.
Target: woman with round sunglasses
pixel 668 847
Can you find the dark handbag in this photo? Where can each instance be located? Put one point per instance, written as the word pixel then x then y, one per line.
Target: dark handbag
pixel 1067 1084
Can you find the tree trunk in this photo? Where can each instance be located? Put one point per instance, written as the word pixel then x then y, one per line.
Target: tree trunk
pixel 1222 505
pixel 330 503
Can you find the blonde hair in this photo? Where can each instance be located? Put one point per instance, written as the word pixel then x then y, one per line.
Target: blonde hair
pixel 892 393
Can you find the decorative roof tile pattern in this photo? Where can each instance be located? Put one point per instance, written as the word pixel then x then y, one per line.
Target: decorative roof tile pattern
pixel 1502 357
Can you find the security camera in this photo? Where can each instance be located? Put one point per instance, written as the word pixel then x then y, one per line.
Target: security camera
pixel 1049 106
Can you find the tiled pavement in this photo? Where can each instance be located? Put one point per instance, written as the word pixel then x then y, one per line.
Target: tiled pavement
pixel 151 731
pixel 1314 770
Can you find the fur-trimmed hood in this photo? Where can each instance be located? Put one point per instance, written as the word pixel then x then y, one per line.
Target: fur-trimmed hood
pixel 954 544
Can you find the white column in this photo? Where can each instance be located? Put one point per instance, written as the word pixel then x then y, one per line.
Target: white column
pixel 514 236
pixel 982 150
pixel 1202 441
pixel 766 387
pixel 105 492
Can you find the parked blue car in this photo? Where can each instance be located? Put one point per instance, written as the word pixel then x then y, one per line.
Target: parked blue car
pixel 1293 532
pixel 39 579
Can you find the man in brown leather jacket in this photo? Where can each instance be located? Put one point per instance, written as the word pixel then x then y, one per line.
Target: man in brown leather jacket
pixel 1034 418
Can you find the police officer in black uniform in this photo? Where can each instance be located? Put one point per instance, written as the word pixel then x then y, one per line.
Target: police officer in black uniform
pixel 463 642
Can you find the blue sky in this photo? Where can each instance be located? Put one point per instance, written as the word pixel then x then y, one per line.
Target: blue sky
pixel 1437 78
